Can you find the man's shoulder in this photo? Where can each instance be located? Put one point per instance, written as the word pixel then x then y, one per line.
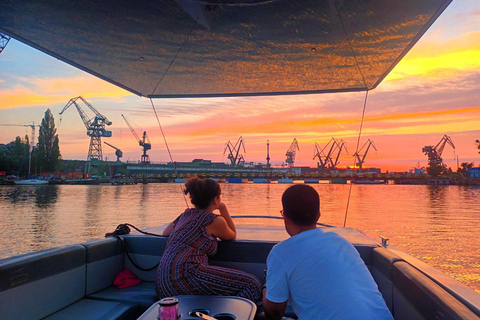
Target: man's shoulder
pixel 316 240
pixel 301 239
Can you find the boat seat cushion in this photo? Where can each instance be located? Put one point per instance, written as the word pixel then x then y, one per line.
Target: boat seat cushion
pixel 243 255
pixel 382 272
pixel 97 310
pixel 415 296
pixel 142 294
pixel 146 252
pixel 104 260
pixel 35 285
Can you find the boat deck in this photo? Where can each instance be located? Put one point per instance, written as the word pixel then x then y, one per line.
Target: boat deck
pixel 277 233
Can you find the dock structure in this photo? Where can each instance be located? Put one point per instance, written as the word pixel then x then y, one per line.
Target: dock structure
pixel 124 180
pixel 241 174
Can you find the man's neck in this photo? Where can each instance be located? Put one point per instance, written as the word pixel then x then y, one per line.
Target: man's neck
pixel 293 230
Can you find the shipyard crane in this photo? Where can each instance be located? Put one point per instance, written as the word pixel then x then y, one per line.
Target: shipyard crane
pixel 95 128
pixel 323 159
pixel 326 160
pixel 435 153
pixel 234 152
pixel 32 139
pixel 144 142
pixel 339 145
pixel 3 41
pixel 360 159
pixel 291 152
pixel 118 152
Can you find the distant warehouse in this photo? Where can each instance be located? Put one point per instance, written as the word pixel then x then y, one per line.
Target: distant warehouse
pixel 474 172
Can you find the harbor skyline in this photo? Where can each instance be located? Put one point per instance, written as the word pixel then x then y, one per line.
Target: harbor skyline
pixel 433 91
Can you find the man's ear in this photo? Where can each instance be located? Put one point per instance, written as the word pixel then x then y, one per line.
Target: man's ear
pixel 288 225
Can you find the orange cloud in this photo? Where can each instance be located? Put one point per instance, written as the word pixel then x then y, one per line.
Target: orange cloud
pixel 441 59
pixel 345 126
pixel 44 92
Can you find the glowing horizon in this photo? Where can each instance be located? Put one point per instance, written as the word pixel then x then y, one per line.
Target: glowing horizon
pixel 433 91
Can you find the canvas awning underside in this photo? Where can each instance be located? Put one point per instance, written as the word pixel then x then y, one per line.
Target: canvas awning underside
pixel 190 48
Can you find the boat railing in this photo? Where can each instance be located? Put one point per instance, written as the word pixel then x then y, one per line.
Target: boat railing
pixel 274 217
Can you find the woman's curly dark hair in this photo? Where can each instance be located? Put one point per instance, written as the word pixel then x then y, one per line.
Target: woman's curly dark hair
pixel 201 191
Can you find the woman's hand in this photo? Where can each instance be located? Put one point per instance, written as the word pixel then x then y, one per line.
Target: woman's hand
pixel 223 227
pixel 223 209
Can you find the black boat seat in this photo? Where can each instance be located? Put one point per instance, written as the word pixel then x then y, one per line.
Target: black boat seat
pixel 52 283
pixel 106 258
pixel 97 310
pixel 146 251
pixel 142 294
pixel 382 272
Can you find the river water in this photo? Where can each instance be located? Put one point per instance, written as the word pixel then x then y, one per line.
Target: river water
pixel 436 224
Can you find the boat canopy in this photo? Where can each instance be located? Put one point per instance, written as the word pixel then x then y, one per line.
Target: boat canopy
pixel 208 48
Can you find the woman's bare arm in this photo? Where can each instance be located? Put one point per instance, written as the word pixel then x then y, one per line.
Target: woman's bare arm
pixel 226 215
pixel 222 226
pixel 168 229
pixel 219 228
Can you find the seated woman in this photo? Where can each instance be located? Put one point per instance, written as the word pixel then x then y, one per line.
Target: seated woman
pixel 184 268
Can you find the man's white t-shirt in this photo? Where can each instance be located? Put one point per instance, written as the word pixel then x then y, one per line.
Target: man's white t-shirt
pixel 323 277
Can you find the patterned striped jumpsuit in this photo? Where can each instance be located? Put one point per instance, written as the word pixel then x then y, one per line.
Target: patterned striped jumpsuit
pixel 184 268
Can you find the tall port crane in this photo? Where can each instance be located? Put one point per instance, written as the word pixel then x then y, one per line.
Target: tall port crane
pixel 326 160
pixel 3 41
pixel 435 153
pixel 291 152
pixel 360 159
pixel 95 128
pixel 32 140
pixel 234 155
pixel 118 152
pixel 339 146
pixel 144 142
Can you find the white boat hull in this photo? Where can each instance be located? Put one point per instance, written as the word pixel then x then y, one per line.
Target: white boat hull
pixel 31 182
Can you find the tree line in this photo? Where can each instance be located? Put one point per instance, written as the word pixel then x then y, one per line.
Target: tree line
pixel 45 155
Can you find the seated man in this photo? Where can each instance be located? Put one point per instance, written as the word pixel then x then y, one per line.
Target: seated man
pixel 320 273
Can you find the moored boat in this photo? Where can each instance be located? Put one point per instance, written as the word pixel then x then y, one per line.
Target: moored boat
pixel 31 182
pixel 368 182
pixel 82 181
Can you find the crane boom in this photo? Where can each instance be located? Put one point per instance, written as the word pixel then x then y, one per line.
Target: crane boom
pixel 131 129
pixel 339 145
pixel 144 142
pixel 329 160
pixel 441 145
pixel 323 158
pixel 234 151
pixel 435 153
pixel 86 121
pixel 108 144
pixel 107 122
pixel 118 152
pixel 361 158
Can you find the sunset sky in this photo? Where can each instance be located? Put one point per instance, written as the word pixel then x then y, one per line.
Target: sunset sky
pixel 433 91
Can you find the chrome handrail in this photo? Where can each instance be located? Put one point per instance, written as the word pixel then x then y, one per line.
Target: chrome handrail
pixel 278 218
